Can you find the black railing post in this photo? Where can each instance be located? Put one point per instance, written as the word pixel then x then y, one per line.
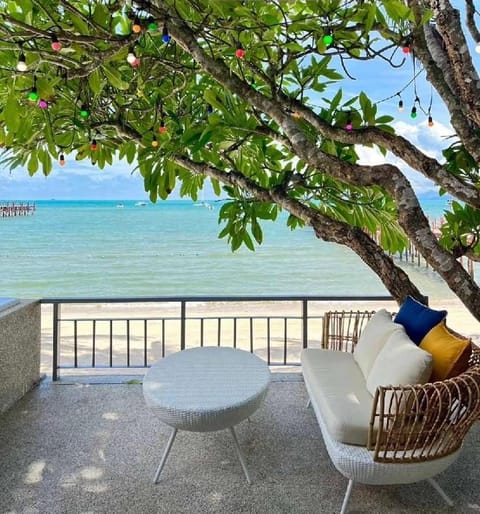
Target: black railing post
pixel 305 322
pixel 56 340
pixel 183 309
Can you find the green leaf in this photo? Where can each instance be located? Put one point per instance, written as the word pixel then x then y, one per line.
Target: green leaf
pixel 95 82
pixel 32 163
pixel 11 113
pixel 114 78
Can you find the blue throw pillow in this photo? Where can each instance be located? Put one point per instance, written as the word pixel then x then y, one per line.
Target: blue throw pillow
pixel 418 319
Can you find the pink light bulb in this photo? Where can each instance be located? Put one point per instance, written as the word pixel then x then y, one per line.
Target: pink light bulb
pixel 136 63
pixel 349 127
pixel 57 46
pixel 43 104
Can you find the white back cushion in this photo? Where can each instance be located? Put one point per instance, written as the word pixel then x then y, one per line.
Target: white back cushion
pixel 372 340
pixel 400 362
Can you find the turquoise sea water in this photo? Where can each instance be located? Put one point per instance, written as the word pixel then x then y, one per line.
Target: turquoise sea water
pixel 97 248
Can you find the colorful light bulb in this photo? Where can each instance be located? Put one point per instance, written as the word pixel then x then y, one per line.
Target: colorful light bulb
pixel 21 64
pixel 165 35
pixel 136 62
pixel 136 27
pixel 430 121
pixel 131 57
pixel 56 45
pixel 61 160
pixel 327 39
pixel 349 126
pixel 240 53
pixel 43 104
pixel 209 109
pixel 33 95
pixel 400 105
pixel 152 24
pixel 477 48
pixel 154 142
pixel 406 49
pixel 162 129
pixel 413 112
pixel 84 112
pixel 93 145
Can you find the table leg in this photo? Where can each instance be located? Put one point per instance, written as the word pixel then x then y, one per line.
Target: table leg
pixel 165 455
pixel 240 455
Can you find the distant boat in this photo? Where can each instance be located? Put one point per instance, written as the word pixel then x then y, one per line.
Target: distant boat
pixel 204 204
pixel 120 206
pixel 140 204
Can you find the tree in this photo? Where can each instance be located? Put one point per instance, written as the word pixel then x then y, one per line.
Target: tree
pixel 190 89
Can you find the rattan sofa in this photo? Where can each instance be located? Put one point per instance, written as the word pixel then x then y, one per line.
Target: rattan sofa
pixel 414 431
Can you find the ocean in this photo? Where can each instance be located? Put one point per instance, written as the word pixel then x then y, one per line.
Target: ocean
pixel 120 248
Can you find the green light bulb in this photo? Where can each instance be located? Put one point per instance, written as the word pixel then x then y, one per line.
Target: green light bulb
pixel 33 95
pixel 327 39
pixel 84 112
pixel 413 114
pixel 152 24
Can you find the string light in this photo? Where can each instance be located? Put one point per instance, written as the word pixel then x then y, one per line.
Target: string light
pixel 21 64
pixel 84 112
pixel 152 24
pixel 406 49
pixel 165 35
pixel 61 160
pixel 209 109
pixel 162 129
pixel 349 125
pixel 43 104
pixel 430 121
pixel 93 146
pixel 136 27
pixel 131 57
pixel 240 53
pixel 154 141
pixel 33 95
pixel 56 45
pixel 328 38
pixel 400 103
pixel 413 112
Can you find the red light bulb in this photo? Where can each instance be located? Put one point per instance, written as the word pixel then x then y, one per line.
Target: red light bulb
pixel 162 129
pixel 93 145
pixel 240 53
pixel 56 45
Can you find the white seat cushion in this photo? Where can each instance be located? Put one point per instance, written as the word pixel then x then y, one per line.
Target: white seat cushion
pixel 400 362
pixel 372 339
pixel 337 388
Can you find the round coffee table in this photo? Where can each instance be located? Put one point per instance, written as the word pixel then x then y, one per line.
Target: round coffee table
pixel 206 389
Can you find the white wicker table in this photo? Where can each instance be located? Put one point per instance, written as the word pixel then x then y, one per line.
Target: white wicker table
pixel 206 389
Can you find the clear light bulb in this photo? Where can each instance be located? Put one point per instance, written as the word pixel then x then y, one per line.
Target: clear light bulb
pixel 131 57
pixel 21 64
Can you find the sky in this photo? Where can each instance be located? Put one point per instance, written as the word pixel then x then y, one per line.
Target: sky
pixel 80 180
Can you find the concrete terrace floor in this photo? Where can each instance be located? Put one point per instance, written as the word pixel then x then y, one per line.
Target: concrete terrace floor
pixel 94 448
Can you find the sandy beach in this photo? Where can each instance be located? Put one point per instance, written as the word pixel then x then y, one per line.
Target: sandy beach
pixel 256 322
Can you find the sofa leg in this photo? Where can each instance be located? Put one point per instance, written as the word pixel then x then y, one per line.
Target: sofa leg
pixel 309 403
pixel 347 497
pixel 440 491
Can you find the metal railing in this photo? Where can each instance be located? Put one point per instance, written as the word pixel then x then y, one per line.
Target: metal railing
pixel 133 332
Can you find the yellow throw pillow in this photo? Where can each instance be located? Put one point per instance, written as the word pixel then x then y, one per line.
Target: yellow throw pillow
pixel 450 352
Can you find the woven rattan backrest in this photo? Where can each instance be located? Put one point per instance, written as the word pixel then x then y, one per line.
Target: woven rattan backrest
pixel 424 422
pixel 341 329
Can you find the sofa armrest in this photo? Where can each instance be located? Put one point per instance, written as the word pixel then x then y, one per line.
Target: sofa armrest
pixel 341 329
pixel 419 423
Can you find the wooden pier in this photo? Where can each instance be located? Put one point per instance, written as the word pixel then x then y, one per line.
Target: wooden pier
pixel 412 255
pixel 11 209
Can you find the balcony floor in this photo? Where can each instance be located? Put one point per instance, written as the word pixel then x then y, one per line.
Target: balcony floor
pixel 94 448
